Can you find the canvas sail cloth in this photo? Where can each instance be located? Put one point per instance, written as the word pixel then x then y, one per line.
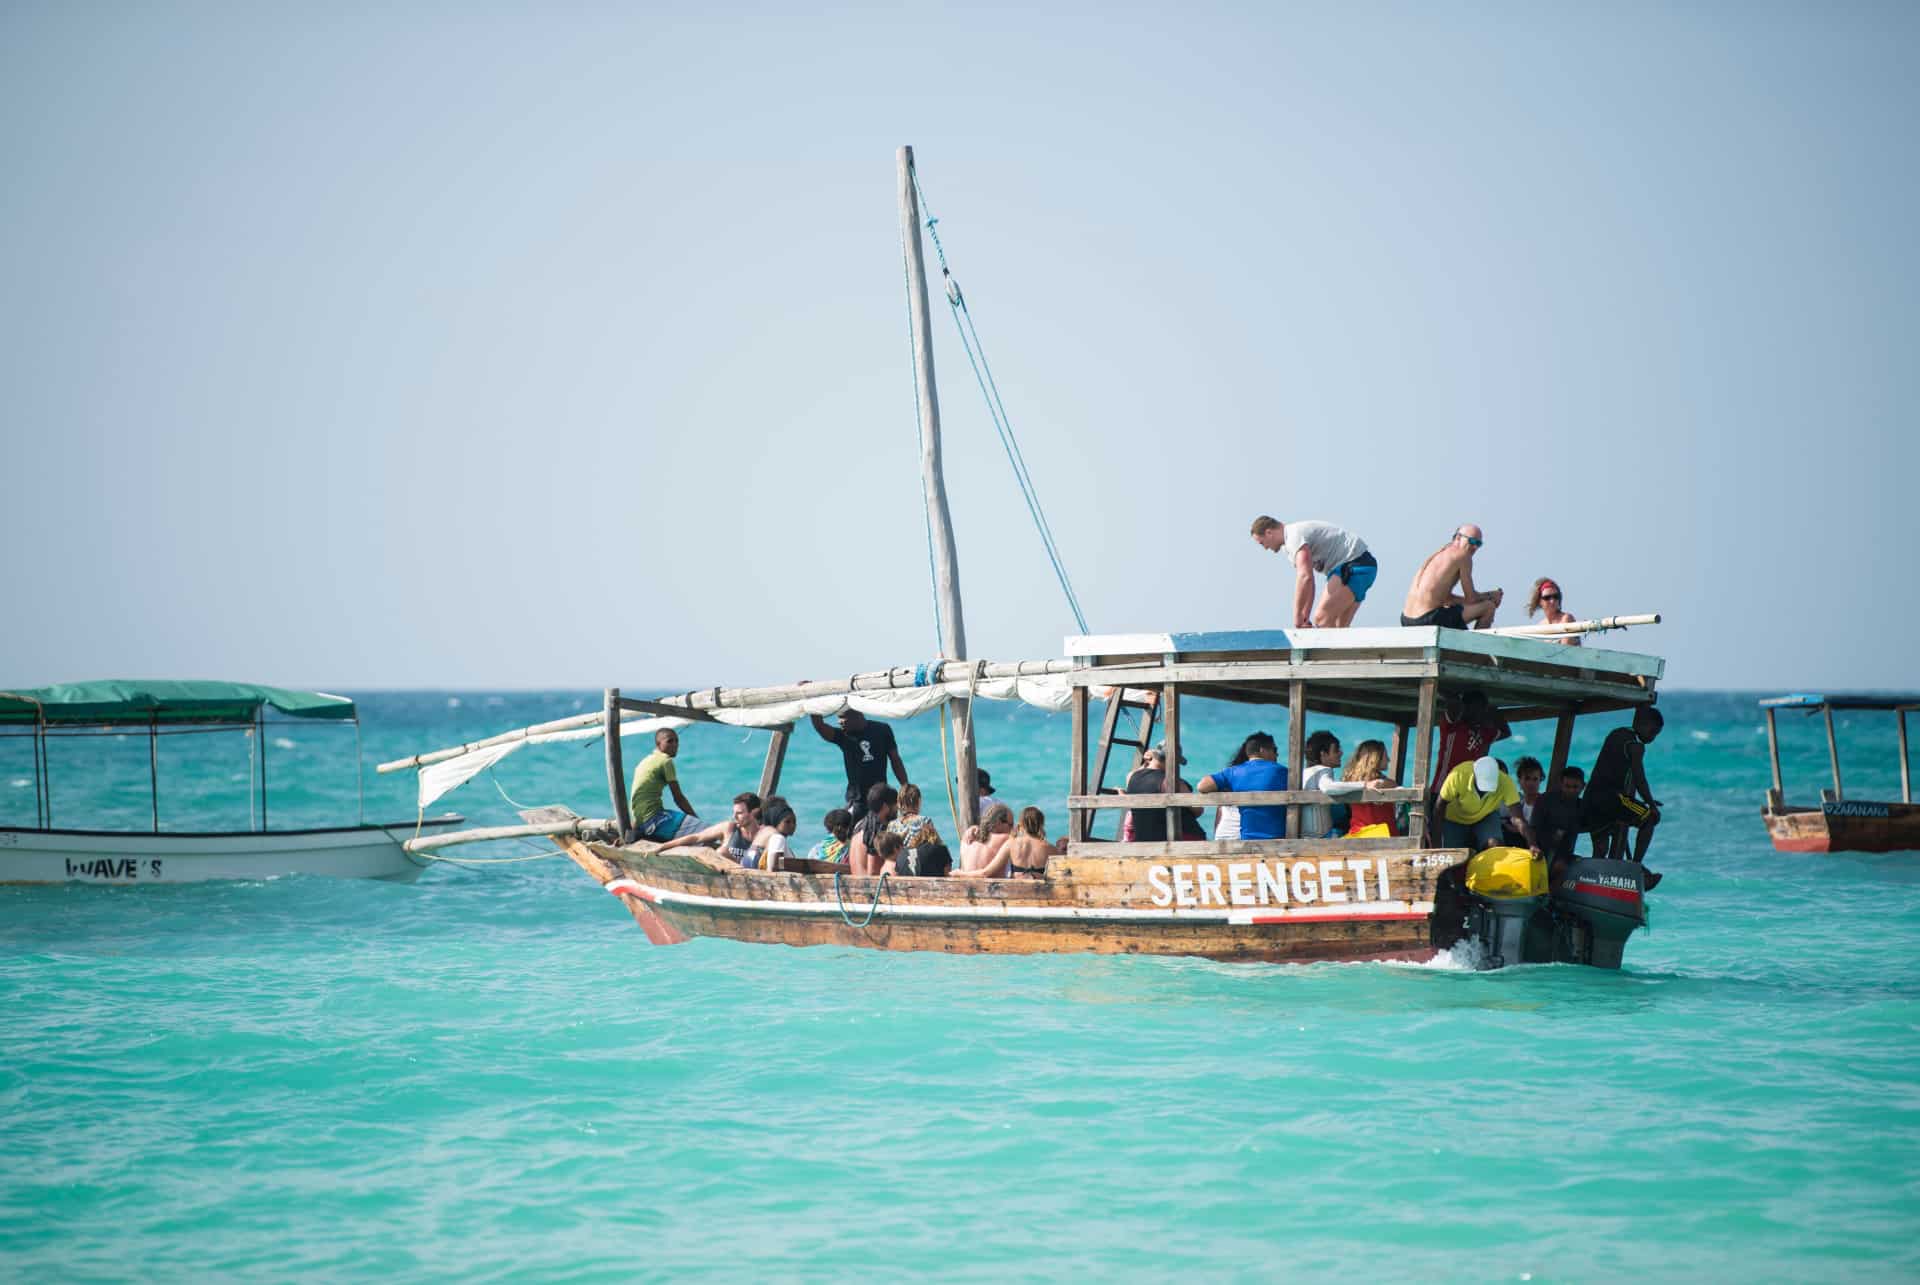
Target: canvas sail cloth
pixel 1046 691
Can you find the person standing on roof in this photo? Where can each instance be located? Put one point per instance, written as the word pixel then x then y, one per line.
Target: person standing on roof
pixel 868 747
pixel 1431 599
pixel 1334 552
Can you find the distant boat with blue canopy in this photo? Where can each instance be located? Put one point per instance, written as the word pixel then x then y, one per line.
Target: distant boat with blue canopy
pixel 49 852
pixel 1838 823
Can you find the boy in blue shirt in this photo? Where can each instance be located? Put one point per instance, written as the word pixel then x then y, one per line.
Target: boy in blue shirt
pixel 1261 771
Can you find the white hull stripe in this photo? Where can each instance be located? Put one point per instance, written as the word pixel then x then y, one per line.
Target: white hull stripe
pixel 1366 911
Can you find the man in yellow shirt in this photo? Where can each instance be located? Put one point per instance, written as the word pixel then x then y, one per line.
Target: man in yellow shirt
pixel 1473 799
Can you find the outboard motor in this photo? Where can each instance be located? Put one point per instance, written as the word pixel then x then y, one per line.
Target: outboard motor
pixel 1596 907
pixel 1506 891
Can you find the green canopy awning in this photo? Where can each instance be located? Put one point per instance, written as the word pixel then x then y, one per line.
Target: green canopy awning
pixel 163 701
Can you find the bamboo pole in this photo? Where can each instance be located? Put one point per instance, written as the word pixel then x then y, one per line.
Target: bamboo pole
pixel 1833 754
pixel 1575 627
pixel 1906 778
pixel 690 704
pixel 616 767
pixel 579 827
pixel 1773 753
pixel 946 574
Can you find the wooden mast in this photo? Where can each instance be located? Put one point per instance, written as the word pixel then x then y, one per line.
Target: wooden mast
pixel 946 563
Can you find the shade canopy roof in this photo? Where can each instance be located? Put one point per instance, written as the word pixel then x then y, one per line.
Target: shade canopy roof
pixel 1815 700
pixel 145 702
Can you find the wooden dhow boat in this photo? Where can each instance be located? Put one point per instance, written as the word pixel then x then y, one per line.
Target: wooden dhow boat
pixel 1838 823
pixel 1281 900
pixel 48 853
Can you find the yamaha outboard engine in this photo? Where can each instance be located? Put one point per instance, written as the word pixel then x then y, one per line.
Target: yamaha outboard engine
pixel 1498 900
pixel 1596 907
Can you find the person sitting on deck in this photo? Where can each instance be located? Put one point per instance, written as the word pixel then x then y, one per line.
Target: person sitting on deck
pixel 868 747
pixel 1469 727
pixel 1261 771
pixel 886 850
pixel 734 835
pixel 839 823
pixel 770 846
pixel 915 830
pixel 1527 774
pixel 1476 797
pixel 1024 856
pixel 1334 552
pixel 864 857
pixel 1368 769
pixel 982 843
pixel 1149 825
pixel 1557 820
pixel 653 778
pixel 987 798
pixel 1546 593
pixel 1618 796
pixel 1226 817
pixel 1431 599
pixel 1323 752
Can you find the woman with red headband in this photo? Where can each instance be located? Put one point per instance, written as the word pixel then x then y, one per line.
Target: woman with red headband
pixel 1546 593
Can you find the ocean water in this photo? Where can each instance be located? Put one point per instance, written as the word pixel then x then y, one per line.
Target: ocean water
pixel 490 1073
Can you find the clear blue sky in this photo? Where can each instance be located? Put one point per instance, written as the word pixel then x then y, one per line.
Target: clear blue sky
pixel 470 345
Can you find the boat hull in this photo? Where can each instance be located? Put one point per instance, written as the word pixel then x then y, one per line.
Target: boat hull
pixel 1305 909
pixel 29 856
pixel 1846 827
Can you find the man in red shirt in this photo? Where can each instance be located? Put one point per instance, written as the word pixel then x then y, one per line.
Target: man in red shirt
pixel 1468 728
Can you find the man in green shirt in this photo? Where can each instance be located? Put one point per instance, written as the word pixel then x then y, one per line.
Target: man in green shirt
pixel 1473 799
pixel 653 778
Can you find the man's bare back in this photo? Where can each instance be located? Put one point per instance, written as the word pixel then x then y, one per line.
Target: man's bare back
pixel 1431 598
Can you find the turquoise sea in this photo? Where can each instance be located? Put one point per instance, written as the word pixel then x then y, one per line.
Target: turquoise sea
pixel 491 1074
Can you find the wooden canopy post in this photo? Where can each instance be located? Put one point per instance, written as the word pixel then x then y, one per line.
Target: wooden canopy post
pixel 939 521
pixel 1170 779
pixel 1562 745
pixel 1296 749
pixel 1833 754
pixel 1773 754
pixel 1422 759
pixel 776 759
pixel 616 770
pixel 153 767
pixel 1906 778
pixel 1397 754
pixel 1079 821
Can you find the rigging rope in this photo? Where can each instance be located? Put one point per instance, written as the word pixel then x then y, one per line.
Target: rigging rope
pixel 996 409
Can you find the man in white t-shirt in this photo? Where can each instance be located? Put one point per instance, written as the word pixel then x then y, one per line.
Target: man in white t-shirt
pixel 1334 552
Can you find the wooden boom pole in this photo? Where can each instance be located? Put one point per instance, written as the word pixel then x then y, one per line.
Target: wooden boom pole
pixel 946 562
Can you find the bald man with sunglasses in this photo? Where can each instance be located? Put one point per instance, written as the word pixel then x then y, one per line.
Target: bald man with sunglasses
pixel 1432 601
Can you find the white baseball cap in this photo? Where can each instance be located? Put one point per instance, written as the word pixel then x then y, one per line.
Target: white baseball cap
pixel 1486 773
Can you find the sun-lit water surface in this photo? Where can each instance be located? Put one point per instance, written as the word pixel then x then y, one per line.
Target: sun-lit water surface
pixel 491 1073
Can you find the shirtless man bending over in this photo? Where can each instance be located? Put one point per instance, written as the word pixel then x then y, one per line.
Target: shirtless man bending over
pixel 1432 601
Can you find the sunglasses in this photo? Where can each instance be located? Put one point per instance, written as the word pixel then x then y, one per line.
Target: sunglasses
pixel 1549 597
pixel 1472 541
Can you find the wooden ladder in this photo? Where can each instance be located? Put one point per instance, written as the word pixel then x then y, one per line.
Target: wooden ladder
pixel 1120 699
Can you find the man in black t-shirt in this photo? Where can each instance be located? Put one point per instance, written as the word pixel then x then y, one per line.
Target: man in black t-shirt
pixel 1557 821
pixel 868 747
pixel 1150 824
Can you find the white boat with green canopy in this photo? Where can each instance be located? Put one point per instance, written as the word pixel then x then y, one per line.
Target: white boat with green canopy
pixel 48 852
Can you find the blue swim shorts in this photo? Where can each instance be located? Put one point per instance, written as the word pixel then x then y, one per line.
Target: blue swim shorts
pixel 1358 574
pixel 661 826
